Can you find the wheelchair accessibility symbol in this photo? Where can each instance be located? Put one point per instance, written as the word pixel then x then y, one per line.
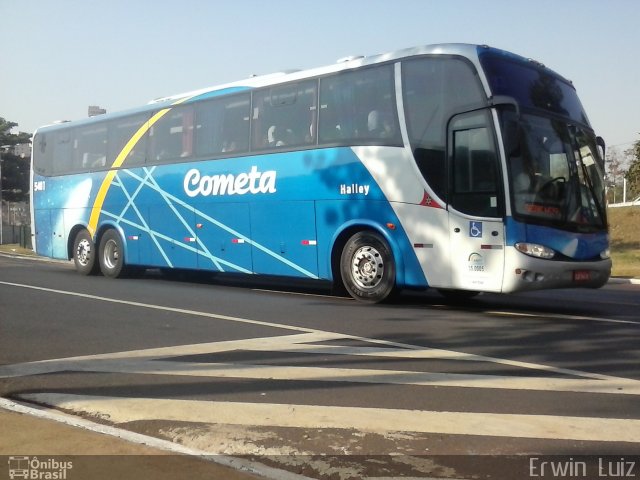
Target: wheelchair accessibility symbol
pixel 475 229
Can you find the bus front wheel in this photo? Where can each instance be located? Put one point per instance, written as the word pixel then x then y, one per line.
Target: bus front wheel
pixel 111 255
pixel 84 253
pixel 367 267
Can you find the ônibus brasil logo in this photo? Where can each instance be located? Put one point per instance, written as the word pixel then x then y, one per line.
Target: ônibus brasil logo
pixel 195 183
pixel 38 469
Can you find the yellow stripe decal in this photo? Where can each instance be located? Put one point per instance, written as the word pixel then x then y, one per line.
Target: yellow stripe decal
pixel 122 156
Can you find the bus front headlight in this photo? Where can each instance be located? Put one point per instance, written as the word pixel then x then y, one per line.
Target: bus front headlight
pixel 605 254
pixel 535 250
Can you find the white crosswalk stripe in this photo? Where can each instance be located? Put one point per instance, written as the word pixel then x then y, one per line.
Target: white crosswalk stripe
pixel 179 361
pixel 380 420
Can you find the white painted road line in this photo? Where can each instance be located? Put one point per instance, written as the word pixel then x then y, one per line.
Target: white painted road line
pixel 560 316
pixel 181 311
pixel 213 316
pixel 85 361
pixel 157 361
pixel 362 375
pixel 378 420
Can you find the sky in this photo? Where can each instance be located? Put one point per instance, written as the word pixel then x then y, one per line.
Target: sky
pixel 57 57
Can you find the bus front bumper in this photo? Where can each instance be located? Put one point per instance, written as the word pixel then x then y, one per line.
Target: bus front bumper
pixel 523 273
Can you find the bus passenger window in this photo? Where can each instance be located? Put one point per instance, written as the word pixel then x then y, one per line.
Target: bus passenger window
pixel 285 116
pixel 90 147
pixel 359 108
pixel 222 126
pixel 42 153
pixel 433 88
pixel 171 137
pixel 379 125
pixel 235 124
pixel 62 152
pixel 120 131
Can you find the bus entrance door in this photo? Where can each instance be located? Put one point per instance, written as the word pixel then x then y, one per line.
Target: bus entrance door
pixel 476 229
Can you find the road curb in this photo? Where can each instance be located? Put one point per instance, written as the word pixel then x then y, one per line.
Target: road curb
pixel 33 257
pixel 624 281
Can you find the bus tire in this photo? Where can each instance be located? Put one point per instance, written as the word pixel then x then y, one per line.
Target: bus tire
pixel 112 255
pixel 85 253
pixel 367 267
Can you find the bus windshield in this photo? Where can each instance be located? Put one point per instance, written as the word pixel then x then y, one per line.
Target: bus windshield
pixel 532 85
pixel 555 174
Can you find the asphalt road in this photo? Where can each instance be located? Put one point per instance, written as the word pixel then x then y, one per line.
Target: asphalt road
pixel 291 377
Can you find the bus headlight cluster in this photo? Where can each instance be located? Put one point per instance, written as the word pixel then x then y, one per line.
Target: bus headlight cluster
pixel 535 250
pixel 605 254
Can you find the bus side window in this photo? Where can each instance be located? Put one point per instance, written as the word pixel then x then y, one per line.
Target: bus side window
pixel 207 128
pixel 171 137
pixel 359 108
pixel 222 126
pixel 285 116
pixel 43 153
pixel 90 147
pixel 474 172
pixel 120 131
pixel 235 124
pixel 433 89
pixel 62 151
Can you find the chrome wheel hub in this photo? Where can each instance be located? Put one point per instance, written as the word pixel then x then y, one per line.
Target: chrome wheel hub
pixel 367 267
pixel 83 252
pixel 111 254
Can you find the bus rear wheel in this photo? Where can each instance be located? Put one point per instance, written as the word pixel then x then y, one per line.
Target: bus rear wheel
pixel 112 255
pixel 84 253
pixel 367 267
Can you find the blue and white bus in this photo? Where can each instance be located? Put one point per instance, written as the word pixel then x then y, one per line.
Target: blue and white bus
pixel 458 167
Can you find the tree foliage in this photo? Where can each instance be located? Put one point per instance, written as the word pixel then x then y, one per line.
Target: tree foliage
pixel 8 138
pixel 615 172
pixel 15 178
pixel 15 170
pixel 633 173
pixel 615 165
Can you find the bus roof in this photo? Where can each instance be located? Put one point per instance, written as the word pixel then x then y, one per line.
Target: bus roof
pixel 469 51
pixel 345 63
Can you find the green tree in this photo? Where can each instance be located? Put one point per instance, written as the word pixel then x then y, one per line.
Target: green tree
pixel 8 138
pixel 633 173
pixel 15 178
pixel 15 170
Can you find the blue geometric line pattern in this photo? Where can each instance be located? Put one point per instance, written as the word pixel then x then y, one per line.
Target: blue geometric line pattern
pixel 192 233
pixel 144 227
pixel 171 201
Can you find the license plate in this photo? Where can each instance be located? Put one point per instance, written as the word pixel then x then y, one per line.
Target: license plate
pixel 581 275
